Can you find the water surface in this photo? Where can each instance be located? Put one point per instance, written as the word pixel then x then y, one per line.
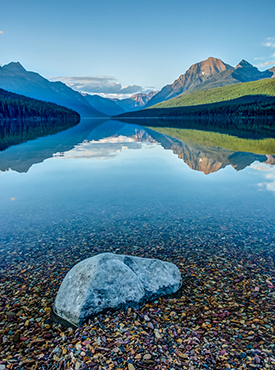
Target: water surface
pixel 112 183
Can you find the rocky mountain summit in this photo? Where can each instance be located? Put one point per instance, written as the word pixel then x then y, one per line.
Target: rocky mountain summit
pixel 136 102
pixel 209 74
pixel 194 76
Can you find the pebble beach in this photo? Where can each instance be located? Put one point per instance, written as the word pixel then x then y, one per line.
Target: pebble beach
pixel 222 318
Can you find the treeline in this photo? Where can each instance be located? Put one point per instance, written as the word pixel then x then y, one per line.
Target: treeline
pixel 23 118
pixel 14 106
pixel 253 113
pixel 14 132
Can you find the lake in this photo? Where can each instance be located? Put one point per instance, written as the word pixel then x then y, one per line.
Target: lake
pixel 204 201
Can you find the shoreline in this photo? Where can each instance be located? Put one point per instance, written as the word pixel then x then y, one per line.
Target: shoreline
pixel 223 319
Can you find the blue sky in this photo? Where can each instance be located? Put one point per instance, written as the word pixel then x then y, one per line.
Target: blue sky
pixel 125 46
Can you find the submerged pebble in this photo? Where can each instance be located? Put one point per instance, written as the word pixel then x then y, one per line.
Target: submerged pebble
pixel 218 320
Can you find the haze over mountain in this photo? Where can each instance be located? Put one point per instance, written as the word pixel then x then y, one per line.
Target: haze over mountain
pixel 14 78
pixel 104 105
pixel 208 74
pixel 135 102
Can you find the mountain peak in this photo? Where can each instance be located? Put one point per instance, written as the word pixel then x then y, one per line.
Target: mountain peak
pixel 195 75
pixel 243 63
pixel 14 67
pixel 210 63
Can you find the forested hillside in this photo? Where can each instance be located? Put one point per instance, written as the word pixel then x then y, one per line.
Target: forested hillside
pixel 14 106
pixel 23 118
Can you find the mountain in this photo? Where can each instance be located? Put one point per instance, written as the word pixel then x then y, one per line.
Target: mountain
pixel 14 78
pixel 104 105
pixel 272 70
pixel 15 106
pixel 264 88
pixel 202 151
pixel 209 158
pixel 135 102
pixel 243 72
pixel 23 118
pixel 210 74
pixel 195 75
pixel 21 157
pixel 233 107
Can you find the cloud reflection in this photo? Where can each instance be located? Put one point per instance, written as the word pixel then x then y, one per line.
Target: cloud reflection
pixel 269 184
pixel 102 149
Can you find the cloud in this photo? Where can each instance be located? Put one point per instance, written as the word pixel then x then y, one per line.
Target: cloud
pixel 262 65
pixel 102 149
pixel 98 85
pixel 1 32
pixel 268 171
pixel 267 60
pixel 270 42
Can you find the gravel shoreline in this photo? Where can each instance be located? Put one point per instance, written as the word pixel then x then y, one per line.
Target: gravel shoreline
pixel 222 318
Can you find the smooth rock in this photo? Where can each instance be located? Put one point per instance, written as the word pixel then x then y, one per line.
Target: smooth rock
pixel 112 281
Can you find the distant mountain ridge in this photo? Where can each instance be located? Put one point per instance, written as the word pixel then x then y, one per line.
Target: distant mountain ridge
pixel 135 102
pixel 205 75
pixel 14 78
pixel 113 107
pixel 104 105
pixel 209 74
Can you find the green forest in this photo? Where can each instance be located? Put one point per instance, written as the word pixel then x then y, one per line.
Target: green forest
pixel 217 139
pixel 246 106
pixel 23 118
pixel 247 90
pixel 14 106
pixel 254 114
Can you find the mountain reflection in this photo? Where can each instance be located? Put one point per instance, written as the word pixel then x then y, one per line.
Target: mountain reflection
pixel 98 139
pixel 207 158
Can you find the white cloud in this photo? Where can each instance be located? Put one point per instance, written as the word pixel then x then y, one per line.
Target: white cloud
pixel 267 60
pixel 98 85
pixel 269 175
pixel 265 64
pixel 270 42
pixel 1 32
pixel 102 149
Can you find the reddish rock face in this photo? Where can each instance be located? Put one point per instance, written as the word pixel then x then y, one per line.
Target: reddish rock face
pixel 194 76
pixel 197 74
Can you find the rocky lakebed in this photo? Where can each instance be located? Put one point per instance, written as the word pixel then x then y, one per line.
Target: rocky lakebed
pixel 221 318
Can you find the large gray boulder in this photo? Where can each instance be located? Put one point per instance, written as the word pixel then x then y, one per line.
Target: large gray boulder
pixel 112 281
